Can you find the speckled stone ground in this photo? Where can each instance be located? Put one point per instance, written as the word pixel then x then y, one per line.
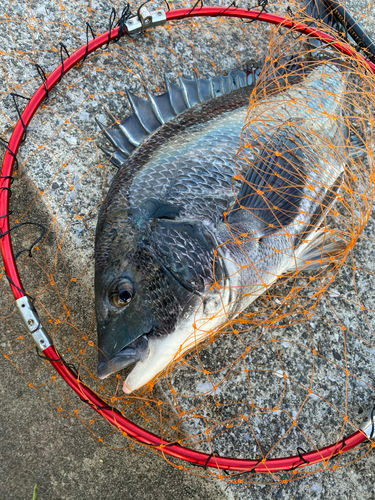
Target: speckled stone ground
pixel 37 445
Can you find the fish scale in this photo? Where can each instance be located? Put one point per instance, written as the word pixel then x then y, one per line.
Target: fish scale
pixel 185 181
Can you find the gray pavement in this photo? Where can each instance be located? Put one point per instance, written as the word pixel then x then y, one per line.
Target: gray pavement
pixel 40 447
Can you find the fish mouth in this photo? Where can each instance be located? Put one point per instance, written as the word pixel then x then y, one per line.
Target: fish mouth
pixel 138 350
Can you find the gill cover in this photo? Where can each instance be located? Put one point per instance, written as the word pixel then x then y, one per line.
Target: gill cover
pixel 185 248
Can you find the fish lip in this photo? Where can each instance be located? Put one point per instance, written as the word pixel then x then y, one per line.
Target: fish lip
pixel 138 350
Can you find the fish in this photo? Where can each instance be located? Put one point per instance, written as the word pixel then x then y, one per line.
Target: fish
pixel 189 234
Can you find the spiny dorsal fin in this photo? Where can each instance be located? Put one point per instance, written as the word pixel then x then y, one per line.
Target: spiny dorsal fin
pixel 217 86
pixel 177 97
pixel 190 88
pixel 162 107
pixel 205 89
pixel 117 138
pixel 117 158
pixel 144 112
pixel 133 130
pixel 149 114
pixel 239 79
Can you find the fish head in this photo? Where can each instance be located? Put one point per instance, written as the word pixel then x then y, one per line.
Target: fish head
pixel 143 292
pixel 138 300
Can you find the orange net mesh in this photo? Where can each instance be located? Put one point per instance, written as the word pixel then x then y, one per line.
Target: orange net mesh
pixel 291 370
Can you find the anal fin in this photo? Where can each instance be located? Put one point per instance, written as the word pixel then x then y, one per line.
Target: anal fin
pixel 321 250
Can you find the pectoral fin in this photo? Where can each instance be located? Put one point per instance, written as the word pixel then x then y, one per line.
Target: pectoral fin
pixel 356 145
pixel 273 187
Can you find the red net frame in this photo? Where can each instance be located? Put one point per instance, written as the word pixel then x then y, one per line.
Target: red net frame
pixel 114 417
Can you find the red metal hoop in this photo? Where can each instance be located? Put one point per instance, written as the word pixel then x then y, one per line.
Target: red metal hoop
pixel 113 416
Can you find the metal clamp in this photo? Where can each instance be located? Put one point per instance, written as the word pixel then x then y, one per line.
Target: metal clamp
pixel 145 20
pixel 32 323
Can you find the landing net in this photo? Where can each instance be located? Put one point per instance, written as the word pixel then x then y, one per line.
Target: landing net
pixel 289 375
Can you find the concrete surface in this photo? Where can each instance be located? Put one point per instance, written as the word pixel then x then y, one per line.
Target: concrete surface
pixel 37 444
pixel 39 447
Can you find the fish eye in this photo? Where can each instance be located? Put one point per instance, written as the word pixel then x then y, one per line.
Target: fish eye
pixel 122 293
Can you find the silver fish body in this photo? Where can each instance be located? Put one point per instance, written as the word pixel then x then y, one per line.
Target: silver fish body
pixel 188 236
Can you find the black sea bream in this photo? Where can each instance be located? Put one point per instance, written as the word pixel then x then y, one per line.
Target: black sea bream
pixel 162 240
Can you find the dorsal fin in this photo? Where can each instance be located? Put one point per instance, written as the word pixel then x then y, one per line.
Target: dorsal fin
pixel 177 97
pixel 144 112
pixel 218 86
pixel 205 89
pixel 149 114
pixel 117 138
pixel 190 88
pixel 162 106
pixel 133 130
